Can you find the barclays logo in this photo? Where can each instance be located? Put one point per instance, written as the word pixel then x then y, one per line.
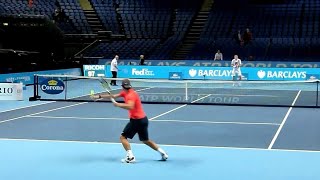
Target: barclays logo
pixel 281 74
pixel 261 74
pixel 192 72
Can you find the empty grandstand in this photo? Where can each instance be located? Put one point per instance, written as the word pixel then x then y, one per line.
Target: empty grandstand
pixel 281 29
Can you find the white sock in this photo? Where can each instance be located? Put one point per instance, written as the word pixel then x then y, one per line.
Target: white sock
pixel 129 153
pixel 161 151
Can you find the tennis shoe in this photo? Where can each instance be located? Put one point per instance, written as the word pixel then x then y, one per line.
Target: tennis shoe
pixel 128 159
pixel 164 156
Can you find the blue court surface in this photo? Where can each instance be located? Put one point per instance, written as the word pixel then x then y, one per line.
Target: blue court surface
pixel 69 140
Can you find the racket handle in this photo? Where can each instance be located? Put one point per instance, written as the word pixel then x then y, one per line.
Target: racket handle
pixel 112 100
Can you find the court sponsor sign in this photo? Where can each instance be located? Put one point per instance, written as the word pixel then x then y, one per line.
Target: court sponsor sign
pixel 313 76
pixel 175 76
pixel 52 86
pixel 216 73
pixel 27 77
pixel 211 63
pixel 94 70
pixel 218 99
pixel 11 91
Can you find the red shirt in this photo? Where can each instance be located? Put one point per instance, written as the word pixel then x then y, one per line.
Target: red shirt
pixel 137 112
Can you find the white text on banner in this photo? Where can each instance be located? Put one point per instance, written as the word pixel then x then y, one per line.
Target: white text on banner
pixel 11 91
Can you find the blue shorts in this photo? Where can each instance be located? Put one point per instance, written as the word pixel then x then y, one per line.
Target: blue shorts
pixel 139 126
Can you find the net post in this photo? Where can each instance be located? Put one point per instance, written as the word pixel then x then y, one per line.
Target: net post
pixel 186 91
pixel 317 98
pixel 66 87
pixel 35 88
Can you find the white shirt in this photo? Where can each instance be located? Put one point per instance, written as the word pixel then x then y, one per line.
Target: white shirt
pixel 234 62
pixel 218 56
pixel 114 65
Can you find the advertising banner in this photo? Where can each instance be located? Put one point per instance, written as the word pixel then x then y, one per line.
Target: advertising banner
pixel 11 91
pixel 217 73
pixel 212 63
pixel 94 70
pixel 214 73
pixel 27 77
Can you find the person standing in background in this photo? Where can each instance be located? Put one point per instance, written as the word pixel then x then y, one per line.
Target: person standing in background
pixel 247 37
pixel 236 63
pixel 141 60
pixel 218 56
pixel 114 70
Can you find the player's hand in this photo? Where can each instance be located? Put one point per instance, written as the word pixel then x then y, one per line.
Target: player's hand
pixel 115 104
pixel 95 96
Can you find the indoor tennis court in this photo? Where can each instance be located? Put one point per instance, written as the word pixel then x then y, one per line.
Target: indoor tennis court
pixel 80 140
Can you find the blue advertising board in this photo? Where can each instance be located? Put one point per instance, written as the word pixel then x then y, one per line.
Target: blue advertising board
pixel 211 63
pixel 94 70
pixel 175 75
pixel 216 73
pixel 52 86
pixel 27 77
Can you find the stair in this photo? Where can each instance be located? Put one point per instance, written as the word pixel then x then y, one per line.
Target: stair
pixel 192 35
pixel 94 21
pixel 194 32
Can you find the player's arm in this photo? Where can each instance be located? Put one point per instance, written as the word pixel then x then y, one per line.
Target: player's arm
pixel 116 65
pixel 105 95
pixel 128 106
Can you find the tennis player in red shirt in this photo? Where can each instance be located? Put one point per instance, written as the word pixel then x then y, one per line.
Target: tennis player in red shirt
pixel 138 121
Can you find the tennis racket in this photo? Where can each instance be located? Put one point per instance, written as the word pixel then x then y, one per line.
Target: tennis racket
pixel 236 65
pixel 106 86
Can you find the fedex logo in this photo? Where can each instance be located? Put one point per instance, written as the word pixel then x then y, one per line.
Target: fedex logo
pixel 143 72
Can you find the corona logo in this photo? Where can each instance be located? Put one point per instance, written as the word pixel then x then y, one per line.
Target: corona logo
pixel 52 83
pixel 53 86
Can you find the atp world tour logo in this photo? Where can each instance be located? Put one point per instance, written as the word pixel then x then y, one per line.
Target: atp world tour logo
pixel 192 72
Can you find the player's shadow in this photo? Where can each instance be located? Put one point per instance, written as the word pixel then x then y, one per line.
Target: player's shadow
pixel 176 161
pixel 92 159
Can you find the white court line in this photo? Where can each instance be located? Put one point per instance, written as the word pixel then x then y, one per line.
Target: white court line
pixel 178 108
pixel 144 89
pixel 192 94
pixel 201 98
pixel 168 145
pixel 168 112
pixel 159 120
pixel 41 112
pixel 27 106
pixel 283 122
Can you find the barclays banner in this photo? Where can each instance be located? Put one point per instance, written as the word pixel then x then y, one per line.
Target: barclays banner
pixel 215 73
pixel 211 63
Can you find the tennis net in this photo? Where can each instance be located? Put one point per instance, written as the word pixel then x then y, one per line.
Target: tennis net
pixel 255 93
